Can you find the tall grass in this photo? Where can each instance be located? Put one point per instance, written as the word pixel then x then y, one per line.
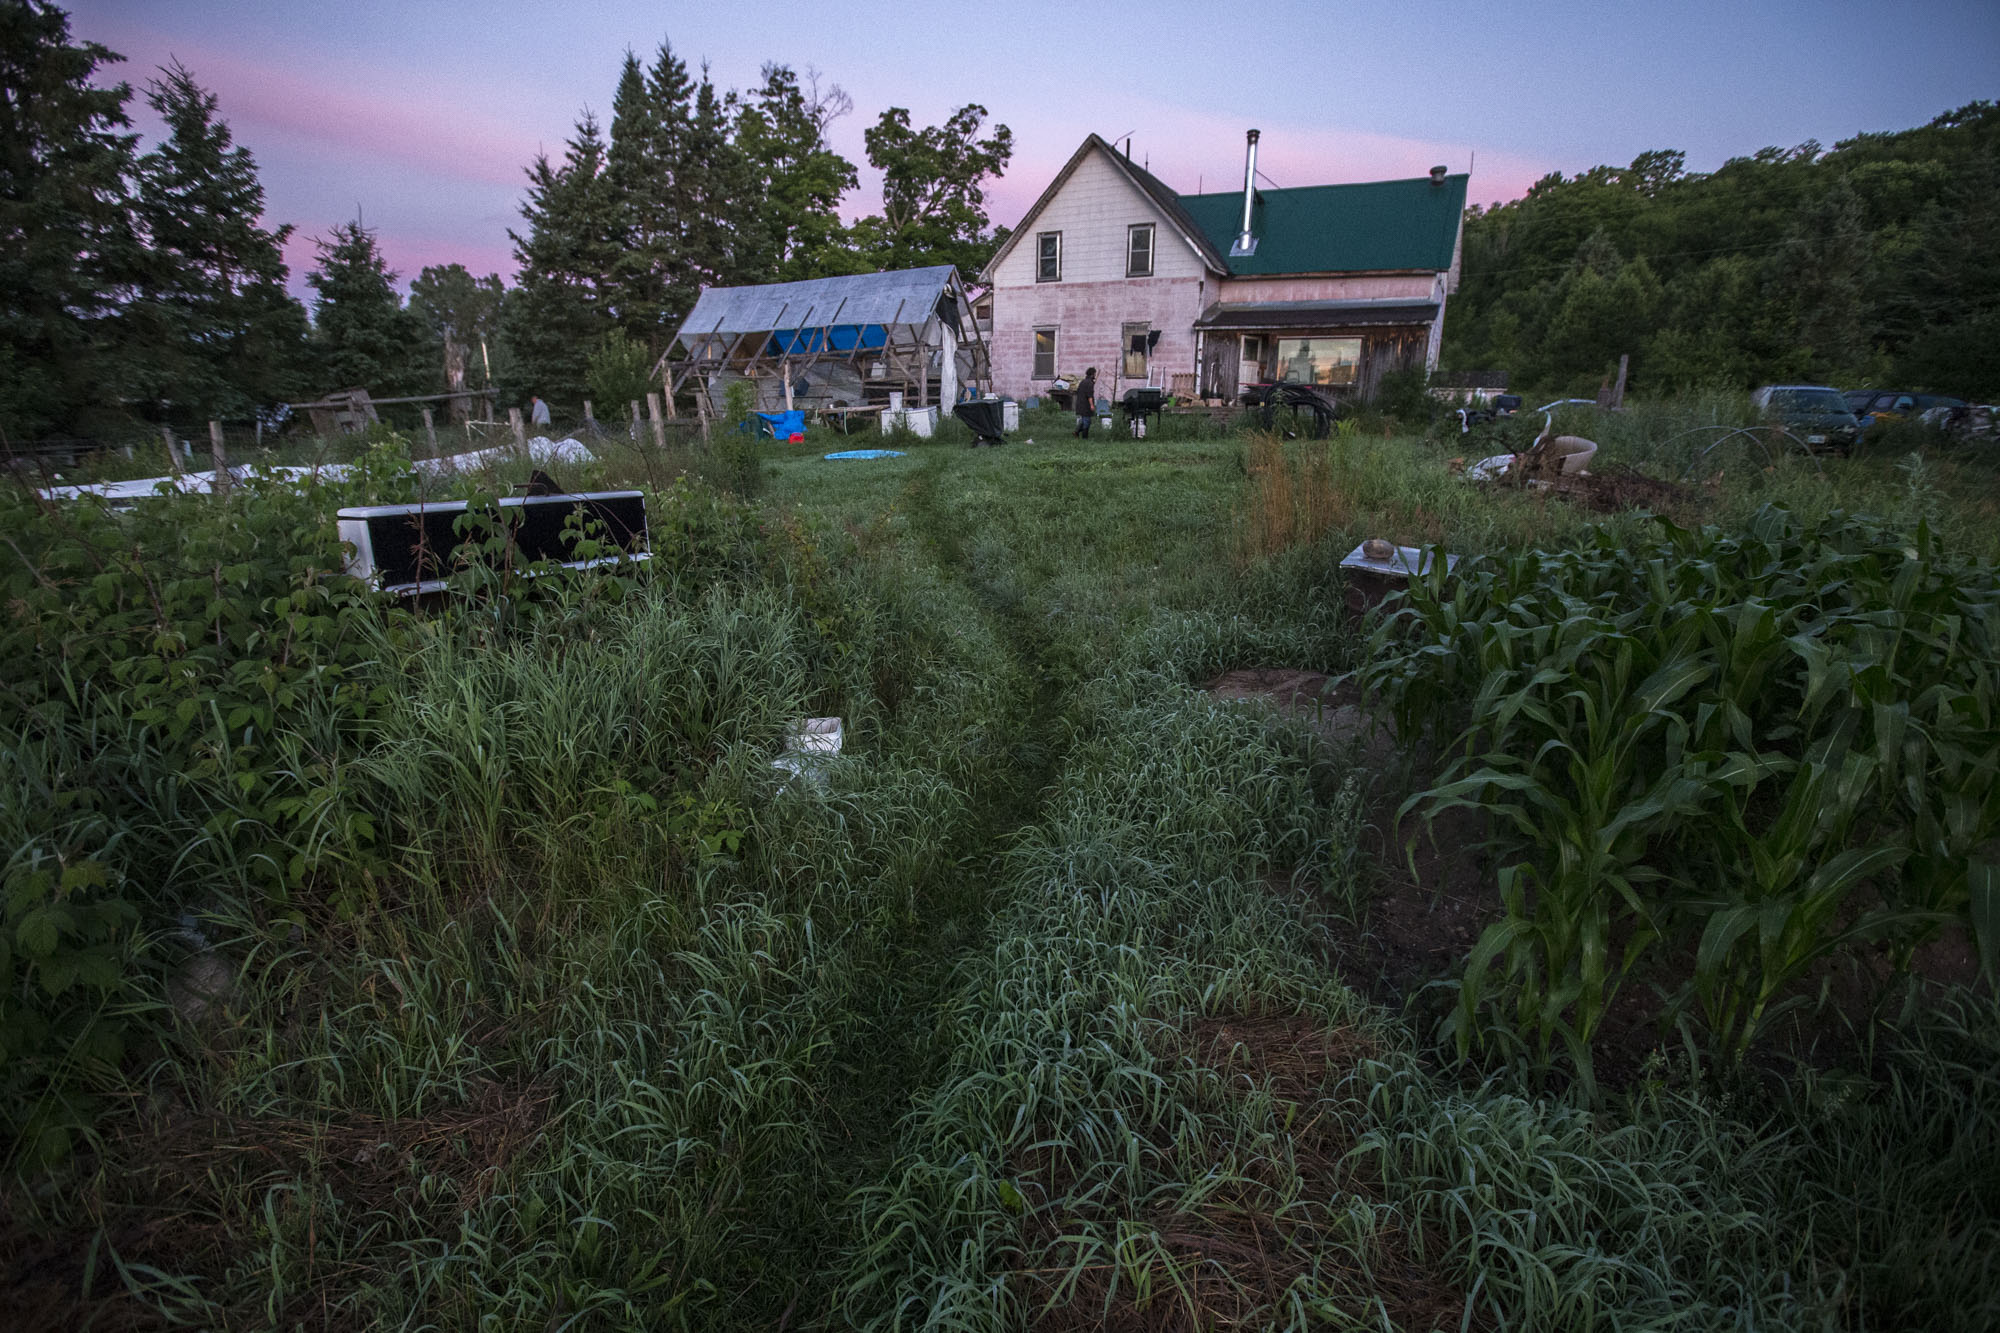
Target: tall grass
pixel 575 1013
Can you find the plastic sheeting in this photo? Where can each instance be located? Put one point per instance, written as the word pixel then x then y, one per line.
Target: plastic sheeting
pixel 541 449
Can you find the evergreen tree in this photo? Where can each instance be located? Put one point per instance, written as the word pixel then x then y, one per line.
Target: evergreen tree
pixel 726 245
pixel 461 315
pixel 567 295
pixel 933 190
pixel 219 332
pixel 649 278
pixel 362 336
pixel 68 253
pixel 782 133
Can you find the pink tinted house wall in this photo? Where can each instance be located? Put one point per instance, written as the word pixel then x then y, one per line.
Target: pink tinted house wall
pixel 1092 300
pixel 1089 319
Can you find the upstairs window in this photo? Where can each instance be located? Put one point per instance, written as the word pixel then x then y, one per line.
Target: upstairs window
pixel 1045 354
pixel 1048 257
pixel 1139 251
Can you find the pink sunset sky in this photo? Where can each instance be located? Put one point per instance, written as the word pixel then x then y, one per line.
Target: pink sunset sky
pixel 420 117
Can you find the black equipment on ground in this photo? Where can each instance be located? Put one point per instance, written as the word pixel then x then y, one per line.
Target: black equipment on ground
pixel 985 420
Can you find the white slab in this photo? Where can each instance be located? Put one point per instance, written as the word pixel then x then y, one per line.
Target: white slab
pixel 1400 563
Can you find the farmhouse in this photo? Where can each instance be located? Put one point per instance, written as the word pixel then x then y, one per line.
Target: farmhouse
pixel 1334 285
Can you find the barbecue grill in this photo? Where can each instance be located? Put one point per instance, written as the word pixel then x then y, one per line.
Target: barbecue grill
pixel 1140 403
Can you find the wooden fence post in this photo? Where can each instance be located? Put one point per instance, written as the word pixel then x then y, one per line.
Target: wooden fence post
pixel 659 426
pixel 520 431
pixel 219 456
pixel 430 429
pixel 173 450
pixel 589 417
pixel 1618 393
pixel 633 428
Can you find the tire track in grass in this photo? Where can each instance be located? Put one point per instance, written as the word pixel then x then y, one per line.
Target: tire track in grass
pixel 893 1057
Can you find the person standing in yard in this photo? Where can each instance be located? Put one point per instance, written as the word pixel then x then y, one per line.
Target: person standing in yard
pixel 1085 403
pixel 539 412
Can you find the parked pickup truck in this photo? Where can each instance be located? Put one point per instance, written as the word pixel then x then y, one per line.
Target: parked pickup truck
pixel 1818 415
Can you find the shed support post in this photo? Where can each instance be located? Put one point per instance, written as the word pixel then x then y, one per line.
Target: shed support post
pixel 948 369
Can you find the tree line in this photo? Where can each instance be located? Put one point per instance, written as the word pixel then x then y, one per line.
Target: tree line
pixel 1874 264
pixel 143 286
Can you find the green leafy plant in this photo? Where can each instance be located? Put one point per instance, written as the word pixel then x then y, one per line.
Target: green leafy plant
pixel 1716 741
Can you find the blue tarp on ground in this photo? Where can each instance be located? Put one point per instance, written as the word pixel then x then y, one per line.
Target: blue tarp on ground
pixel 782 425
pixel 867 453
pixel 841 338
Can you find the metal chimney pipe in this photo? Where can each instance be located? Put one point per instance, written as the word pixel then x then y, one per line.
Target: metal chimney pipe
pixel 1246 244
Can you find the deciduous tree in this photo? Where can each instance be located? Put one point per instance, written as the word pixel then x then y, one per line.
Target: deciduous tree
pixel 461 313
pixel 933 190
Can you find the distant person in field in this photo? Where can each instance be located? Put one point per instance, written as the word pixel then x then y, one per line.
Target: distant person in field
pixel 1085 403
pixel 539 412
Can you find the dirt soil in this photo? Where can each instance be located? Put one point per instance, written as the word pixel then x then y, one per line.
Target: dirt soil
pixel 1433 894
pixel 1330 707
pixel 1617 487
pixel 1236 1255
pixel 179 1165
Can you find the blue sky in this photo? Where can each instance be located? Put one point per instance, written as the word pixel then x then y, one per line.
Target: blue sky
pixel 420 116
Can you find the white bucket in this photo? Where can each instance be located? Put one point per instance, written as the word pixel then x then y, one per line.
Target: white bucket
pixel 895 400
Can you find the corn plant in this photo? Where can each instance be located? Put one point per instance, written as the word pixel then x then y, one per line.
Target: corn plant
pixel 1713 741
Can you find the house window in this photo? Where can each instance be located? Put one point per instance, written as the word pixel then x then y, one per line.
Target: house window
pixel 1045 354
pixel 1138 340
pixel 1318 360
pixel 1253 351
pixel 1048 257
pixel 1139 251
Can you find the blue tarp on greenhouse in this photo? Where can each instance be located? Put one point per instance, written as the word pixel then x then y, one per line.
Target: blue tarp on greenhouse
pixel 841 338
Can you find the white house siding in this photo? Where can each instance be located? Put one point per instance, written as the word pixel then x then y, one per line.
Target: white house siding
pixel 1094 299
pixel 1348 287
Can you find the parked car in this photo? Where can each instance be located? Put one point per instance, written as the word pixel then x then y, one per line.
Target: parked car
pixel 1872 405
pixel 1815 413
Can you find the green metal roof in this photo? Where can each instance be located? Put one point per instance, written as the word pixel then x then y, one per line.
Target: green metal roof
pixel 1406 224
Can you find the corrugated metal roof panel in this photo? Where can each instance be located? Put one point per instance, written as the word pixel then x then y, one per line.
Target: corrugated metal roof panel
pixel 1372 227
pixel 905 296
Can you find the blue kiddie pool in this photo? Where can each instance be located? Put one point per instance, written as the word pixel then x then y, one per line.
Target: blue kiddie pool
pixel 867 453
